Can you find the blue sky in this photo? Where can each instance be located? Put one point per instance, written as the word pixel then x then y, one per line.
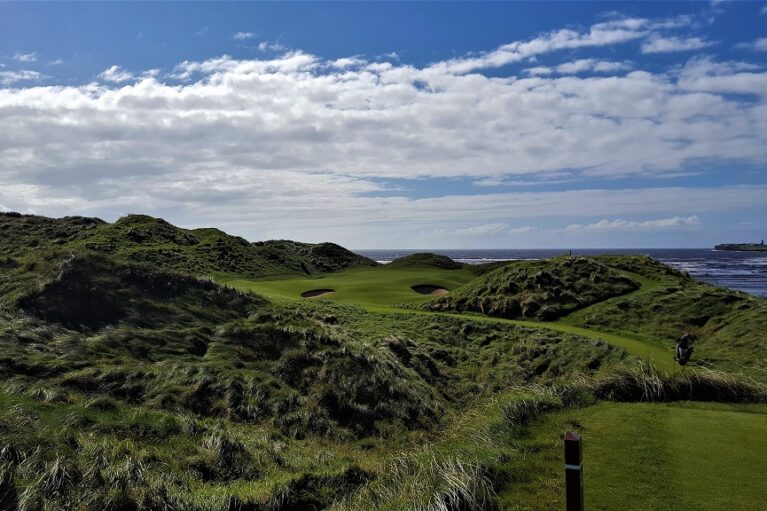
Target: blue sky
pixel 394 125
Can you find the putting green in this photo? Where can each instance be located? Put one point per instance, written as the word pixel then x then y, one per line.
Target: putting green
pixel 379 286
pixel 645 456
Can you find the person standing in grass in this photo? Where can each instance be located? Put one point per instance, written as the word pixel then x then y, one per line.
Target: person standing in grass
pixel 684 349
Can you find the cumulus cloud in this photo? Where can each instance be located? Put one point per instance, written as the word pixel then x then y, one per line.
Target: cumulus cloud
pixel 387 121
pixel 660 44
pixel 11 77
pixel 241 36
pixel 116 74
pixel 283 145
pixel 25 57
pixel 705 75
pixel 343 63
pixel 631 225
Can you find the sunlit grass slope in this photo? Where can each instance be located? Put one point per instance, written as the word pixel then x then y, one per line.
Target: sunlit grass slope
pixel 129 386
pixel 651 456
pixel 362 286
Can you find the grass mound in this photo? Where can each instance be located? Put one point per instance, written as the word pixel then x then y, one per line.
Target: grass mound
pixel 729 325
pixel 644 384
pixel 543 290
pixel 145 239
pixel 426 259
pixel 320 257
pixel 91 292
pixel 25 234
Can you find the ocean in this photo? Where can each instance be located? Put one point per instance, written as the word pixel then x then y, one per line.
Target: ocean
pixel 744 271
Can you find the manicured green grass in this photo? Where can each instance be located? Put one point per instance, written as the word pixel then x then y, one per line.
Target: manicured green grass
pixel 361 286
pixel 644 456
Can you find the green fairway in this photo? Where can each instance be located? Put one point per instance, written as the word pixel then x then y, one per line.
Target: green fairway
pixel 648 456
pixel 361 286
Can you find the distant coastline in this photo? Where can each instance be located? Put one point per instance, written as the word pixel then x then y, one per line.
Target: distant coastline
pixel 743 247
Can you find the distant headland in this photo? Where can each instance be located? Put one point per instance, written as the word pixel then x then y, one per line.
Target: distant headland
pixel 743 247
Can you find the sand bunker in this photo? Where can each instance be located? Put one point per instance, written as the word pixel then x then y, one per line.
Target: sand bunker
pixel 316 293
pixel 428 289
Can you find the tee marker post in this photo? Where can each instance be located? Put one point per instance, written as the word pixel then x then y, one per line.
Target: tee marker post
pixel 573 472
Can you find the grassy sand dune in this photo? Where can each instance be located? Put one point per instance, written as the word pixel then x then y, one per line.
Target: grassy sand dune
pixel 329 385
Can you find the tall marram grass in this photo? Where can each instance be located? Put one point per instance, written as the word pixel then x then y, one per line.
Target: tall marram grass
pixel 644 383
pixel 428 481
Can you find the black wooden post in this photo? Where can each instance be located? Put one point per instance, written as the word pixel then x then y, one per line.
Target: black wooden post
pixel 573 472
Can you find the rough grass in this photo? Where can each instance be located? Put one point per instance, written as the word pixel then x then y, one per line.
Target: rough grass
pixel 428 260
pixel 543 290
pixel 729 325
pixel 145 239
pixel 127 386
pixel 429 482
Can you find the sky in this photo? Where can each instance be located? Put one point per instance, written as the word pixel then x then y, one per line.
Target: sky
pixel 394 125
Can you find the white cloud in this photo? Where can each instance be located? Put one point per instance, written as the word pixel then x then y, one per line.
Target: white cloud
pixel 764 10
pixel 395 121
pixel 296 145
pixel 25 57
pixel 660 44
pixel 631 225
pixel 523 230
pixel 116 74
pixel 265 46
pixel 241 36
pixel 759 44
pixel 482 230
pixel 344 63
pixel 151 73
pixel 600 34
pixel 56 62
pixel 580 66
pixel 705 75
pixel 11 77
